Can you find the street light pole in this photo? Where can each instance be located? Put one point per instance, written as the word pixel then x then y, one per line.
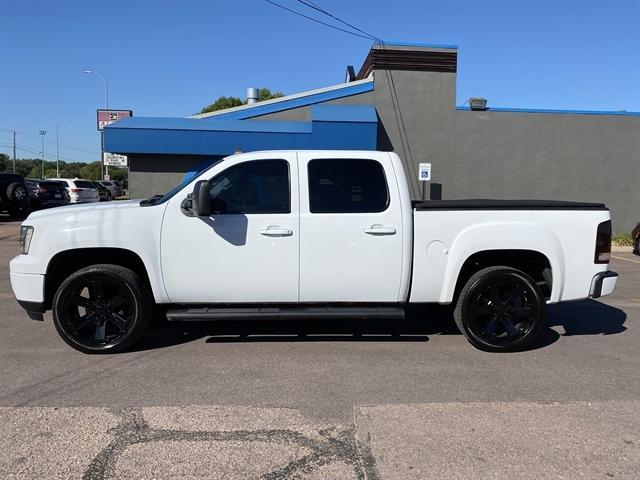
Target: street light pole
pixel 106 105
pixel 58 146
pixel 42 133
pixel 106 86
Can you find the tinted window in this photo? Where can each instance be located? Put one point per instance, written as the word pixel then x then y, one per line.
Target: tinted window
pixel 260 186
pixel 50 185
pixel 347 186
pixel 84 184
pixel 11 178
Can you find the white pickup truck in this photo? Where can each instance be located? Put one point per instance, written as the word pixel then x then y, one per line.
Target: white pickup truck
pixel 307 234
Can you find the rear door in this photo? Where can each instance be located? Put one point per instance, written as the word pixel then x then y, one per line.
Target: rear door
pixel 351 234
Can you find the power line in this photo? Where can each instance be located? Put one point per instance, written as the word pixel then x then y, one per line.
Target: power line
pixel 368 37
pixel 51 142
pixel 317 8
pixel 48 156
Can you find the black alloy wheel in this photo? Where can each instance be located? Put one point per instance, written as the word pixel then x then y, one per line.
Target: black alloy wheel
pixel 500 309
pixel 102 309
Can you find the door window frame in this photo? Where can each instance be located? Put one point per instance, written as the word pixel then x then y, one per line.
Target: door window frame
pixel 368 212
pixel 289 193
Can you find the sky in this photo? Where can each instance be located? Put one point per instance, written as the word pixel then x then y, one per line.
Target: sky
pixel 172 57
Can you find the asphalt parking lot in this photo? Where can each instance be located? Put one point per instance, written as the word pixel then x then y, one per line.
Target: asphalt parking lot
pixel 276 400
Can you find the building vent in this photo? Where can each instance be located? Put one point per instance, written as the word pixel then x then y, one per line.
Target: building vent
pixel 252 95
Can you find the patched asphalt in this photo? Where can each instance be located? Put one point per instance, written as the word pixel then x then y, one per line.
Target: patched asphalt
pixel 336 400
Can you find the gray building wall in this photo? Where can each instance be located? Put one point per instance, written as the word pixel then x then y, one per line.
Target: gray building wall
pixel 508 155
pixel 151 174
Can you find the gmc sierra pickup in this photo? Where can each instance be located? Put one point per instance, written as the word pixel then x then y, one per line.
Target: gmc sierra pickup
pixel 307 234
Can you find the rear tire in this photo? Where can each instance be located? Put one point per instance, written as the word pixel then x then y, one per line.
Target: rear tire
pixel 102 309
pixel 500 309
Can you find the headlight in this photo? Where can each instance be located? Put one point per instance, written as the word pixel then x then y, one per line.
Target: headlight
pixel 26 234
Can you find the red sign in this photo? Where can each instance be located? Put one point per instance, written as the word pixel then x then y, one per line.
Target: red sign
pixel 107 117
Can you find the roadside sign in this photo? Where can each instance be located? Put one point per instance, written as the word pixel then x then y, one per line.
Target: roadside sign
pixel 107 117
pixel 424 172
pixel 115 160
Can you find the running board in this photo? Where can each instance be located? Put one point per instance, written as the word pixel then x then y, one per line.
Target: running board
pixel 284 313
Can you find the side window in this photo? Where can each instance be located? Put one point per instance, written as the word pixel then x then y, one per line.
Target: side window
pixel 259 186
pixel 345 185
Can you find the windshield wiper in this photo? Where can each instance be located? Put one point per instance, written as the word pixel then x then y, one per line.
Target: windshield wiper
pixel 151 200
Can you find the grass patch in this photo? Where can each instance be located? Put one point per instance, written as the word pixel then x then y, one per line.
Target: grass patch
pixel 622 239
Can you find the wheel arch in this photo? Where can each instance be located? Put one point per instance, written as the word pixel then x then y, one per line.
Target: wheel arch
pixel 66 262
pixel 525 246
pixel 532 262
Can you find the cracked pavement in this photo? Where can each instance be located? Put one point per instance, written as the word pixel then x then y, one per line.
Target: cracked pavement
pixel 286 400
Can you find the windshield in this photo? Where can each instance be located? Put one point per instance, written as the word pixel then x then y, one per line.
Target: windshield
pixel 158 199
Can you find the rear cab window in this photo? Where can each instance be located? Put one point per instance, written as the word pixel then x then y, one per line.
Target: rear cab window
pixel 347 185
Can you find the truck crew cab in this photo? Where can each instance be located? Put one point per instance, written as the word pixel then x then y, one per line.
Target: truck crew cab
pixel 317 234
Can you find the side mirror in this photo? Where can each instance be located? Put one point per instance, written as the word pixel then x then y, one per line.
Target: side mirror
pixel 201 201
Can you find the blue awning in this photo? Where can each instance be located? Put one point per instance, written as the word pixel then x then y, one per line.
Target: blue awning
pixel 348 127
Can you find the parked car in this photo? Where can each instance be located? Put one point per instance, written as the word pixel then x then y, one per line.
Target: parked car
pixel 103 192
pixel 635 233
pixel 14 197
pixel 114 188
pixel 80 191
pixel 47 193
pixel 308 234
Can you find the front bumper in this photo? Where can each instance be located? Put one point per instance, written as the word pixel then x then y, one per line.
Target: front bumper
pixel 29 291
pixel 603 283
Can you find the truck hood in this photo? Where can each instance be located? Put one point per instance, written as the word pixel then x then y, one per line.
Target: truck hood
pixel 118 224
pixel 83 209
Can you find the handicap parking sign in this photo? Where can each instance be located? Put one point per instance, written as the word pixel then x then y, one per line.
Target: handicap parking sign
pixel 424 172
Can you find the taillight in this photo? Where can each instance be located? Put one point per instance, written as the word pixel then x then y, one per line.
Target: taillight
pixel 603 243
pixel 39 190
pixel 77 190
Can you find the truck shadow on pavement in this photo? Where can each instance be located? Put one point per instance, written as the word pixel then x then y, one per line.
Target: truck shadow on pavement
pixel 587 317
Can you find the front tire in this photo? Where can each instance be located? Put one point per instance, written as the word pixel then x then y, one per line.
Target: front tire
pixel 500 309
pixel 102 309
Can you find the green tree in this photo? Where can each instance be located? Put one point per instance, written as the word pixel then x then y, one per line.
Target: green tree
pixel 222 103
pixel 229 102
pixel 266 94
pixel 91 171
pixel 5 163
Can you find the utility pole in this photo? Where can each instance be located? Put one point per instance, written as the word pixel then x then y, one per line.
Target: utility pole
pixel 58 146
pixel 42 133
pixel 14 151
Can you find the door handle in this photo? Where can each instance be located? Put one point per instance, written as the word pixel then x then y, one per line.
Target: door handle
pixel 276 232
pixel 380 230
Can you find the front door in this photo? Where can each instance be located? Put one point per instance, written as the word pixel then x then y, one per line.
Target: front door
pixel 248 250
